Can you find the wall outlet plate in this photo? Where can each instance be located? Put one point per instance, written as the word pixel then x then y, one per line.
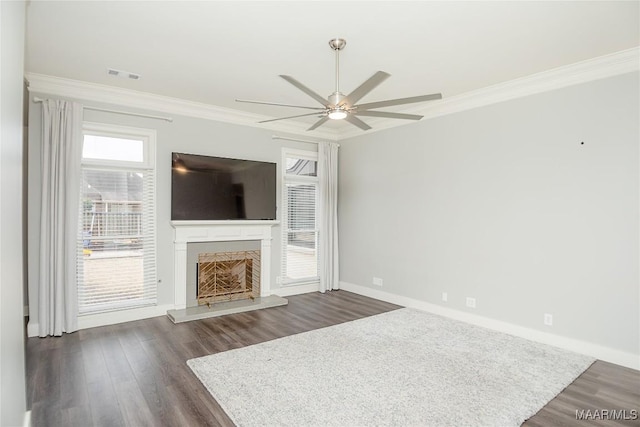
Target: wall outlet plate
pixel 377 281
pixel 445 297
pixel 548 319
pixel 471 302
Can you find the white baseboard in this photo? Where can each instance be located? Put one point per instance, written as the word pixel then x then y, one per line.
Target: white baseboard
pixel 32 329
pixel 111 317
pixel 295 290
pixel 607 354
pixel 121 316
pixel 26 421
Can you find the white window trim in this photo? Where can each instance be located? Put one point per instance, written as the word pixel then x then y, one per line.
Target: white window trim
pixel 298 154
pixel 149 138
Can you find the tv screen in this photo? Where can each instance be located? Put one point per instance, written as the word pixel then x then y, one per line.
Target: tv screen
pixel 218 188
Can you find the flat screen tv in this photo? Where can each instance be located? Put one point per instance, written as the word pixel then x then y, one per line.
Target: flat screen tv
pixel 218 188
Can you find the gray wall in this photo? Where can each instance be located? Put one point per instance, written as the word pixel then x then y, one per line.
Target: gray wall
pixel 505 204
pixel 185 134
pixel 12 369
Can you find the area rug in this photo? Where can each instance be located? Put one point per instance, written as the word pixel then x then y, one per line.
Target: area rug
pixel 401 368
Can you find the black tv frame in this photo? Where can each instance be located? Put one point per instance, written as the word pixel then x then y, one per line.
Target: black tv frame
pixel 210 188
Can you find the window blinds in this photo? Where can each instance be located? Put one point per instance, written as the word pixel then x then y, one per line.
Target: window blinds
pixel 300 232
pixel 116 240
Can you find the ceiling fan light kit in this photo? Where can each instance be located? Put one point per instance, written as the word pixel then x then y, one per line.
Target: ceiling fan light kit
pixel 338 106
pixel 337 114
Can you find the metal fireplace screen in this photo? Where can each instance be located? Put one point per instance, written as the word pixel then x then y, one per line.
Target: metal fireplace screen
pixel 227 276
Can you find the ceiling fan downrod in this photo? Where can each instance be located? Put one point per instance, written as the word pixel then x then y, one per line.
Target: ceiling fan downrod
pixel 337 44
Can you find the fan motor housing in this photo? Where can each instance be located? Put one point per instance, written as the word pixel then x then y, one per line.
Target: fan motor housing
pixel 336 98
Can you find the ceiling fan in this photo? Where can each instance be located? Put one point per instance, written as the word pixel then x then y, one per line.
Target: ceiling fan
pixel 338 106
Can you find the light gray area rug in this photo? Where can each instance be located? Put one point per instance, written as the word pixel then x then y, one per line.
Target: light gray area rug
pixel 401 368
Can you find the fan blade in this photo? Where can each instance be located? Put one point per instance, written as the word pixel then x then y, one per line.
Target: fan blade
pixel 306 90
pixel 319 123
pixel 367 87
pixel 356 121
pixel 388 115
pixel 278 104
pixel 290 117
pixel 399 101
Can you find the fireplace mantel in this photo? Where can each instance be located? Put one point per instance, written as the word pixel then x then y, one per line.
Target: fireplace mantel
pixel 219 231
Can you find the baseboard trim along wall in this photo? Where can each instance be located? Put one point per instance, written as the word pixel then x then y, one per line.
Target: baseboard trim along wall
pixel 295 290
pixel 111 317
pixel 607 354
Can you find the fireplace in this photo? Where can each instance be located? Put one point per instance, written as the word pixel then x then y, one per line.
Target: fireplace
pixel 227 276
pixel 228 234
pixel 192 238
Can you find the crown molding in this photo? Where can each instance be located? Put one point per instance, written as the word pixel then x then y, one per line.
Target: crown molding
pixel 85 91
pixel 617 63
pixel 601 67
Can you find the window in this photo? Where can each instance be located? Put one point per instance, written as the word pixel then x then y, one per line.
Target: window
pixel 116 238
pixel 300 231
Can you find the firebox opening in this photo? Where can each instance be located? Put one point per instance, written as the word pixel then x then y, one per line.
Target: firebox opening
pixel 227 276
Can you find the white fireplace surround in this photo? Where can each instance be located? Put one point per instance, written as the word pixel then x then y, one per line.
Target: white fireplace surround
pixel 219 231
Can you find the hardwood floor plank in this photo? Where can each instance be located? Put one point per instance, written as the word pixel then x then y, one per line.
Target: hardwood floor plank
pixel 47 414
pixel 189 411
pixel 135 374
pixel 602 386
pixel 133 405
pixel 95 368
pixel 73 386
pixel 152 387
pixel 115 359
pixel 162 359
pixel 46 380
pixel 557 418
pixel 105 410
pixel 76 416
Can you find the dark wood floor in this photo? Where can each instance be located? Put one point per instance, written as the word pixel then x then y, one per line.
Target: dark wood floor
pixel 135 373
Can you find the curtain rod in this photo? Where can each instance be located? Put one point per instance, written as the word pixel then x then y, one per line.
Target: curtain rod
pixel 126 113
pixel 299 140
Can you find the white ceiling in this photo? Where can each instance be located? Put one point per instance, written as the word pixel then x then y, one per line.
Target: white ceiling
pixel 214 52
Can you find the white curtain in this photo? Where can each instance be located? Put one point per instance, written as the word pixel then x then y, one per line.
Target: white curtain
pixel 328 215
pixel 60 166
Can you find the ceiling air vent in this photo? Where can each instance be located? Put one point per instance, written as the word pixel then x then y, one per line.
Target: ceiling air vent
pixel 123 74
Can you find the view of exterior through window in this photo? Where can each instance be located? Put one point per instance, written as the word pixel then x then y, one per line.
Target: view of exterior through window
pixel 116 242
pixel 300 238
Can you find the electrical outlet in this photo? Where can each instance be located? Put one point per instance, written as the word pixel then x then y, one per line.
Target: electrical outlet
pixel 278 280
pixel 548 319
pixel 377 281
pixel 471 302
pixel 445 297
